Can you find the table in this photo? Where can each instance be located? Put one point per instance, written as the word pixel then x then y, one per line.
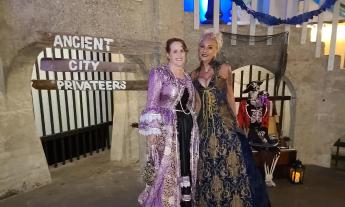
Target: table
pixel 287 157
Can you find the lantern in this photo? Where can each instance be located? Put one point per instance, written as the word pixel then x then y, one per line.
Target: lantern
pixel 297 172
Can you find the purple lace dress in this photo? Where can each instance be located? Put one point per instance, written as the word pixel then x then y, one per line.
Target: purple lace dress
pixel 160 118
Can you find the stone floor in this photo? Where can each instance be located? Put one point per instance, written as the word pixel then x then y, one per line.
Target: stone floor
pixel 97 182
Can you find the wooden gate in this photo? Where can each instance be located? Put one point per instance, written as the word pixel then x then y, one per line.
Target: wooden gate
pixel 72 123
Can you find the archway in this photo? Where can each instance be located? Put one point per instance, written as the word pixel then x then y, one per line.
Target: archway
pixel 24 165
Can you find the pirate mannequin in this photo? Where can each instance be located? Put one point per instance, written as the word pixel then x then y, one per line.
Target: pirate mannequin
pixel 253 116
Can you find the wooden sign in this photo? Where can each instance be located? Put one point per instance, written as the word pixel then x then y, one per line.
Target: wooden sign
pixel 76 65
pixel 71 65
pixel 88 85
pixel 82 42
pixel 118 45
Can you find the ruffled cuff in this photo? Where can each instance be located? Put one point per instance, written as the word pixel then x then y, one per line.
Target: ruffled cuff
pixel 150 122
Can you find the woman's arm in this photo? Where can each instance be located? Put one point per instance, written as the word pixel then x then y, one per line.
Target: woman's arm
pixel 197 102
pixel 226 73
pixel 197 105
pixel 151 118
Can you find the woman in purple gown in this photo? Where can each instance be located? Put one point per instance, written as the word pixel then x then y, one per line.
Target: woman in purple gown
pixel 169 123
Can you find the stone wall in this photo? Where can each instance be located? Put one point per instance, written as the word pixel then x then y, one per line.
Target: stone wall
pixel 22 160
pixel 22 25
pixel 23 22
pixel 319 94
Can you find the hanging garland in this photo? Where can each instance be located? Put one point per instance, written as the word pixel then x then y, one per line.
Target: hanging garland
pixel 298 19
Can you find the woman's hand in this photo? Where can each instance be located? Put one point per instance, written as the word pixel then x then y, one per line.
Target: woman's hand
pixel 152 139
pixel 226 73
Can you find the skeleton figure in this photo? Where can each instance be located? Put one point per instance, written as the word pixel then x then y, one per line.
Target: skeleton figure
pixel 253 115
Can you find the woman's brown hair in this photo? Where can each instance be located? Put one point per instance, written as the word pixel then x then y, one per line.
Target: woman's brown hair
pixel 172 40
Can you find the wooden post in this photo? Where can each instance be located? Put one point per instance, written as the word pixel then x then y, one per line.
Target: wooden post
pixel 216 15
pixel 319 33
pixel 290 11
pixel 304 25
pixel 270 28
pixel 196 15
pixel 252 23
pixel 233 22
pixel 332 46
pixel 134 85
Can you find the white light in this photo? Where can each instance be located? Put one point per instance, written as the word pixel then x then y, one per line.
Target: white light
pixel 326 33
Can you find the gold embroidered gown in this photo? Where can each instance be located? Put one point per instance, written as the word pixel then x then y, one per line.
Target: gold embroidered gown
pixel 227 175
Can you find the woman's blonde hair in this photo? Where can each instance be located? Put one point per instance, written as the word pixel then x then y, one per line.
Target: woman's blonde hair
pixel 212 34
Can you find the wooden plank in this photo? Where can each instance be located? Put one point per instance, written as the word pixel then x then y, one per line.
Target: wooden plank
pixel 339 144
pixel 267 81
pixel 88 114
pixel 62 143
pixel 250 73
pixel 332 46
pixel 272 98
pixel 319 33
pixel 304 25
pixel 269 32
pixel 241 84
pixel 74 101
pixel 270 28
pixel 76 65
pixel 106 101
pixel 138 85
pixel 51 117
pixel 254 6
pixel 290 11
pixel 234 22
pixel 196 15
pixel 93 101
pixel 281 113
pixel 40 99
pixel 119 45
pixel 216 15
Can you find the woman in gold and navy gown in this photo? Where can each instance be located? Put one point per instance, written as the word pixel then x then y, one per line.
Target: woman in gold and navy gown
pixel 227 175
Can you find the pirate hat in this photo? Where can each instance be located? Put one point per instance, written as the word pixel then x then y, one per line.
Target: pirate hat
pixel 252 86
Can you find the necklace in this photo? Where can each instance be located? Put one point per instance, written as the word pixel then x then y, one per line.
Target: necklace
pixel 182 109
pixel 206 69
pixel 185 111
pixel 181 81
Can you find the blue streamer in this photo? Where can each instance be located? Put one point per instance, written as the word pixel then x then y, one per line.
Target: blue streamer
pixel 298 19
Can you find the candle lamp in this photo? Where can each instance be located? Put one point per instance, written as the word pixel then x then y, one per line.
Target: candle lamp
pixel 297 172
